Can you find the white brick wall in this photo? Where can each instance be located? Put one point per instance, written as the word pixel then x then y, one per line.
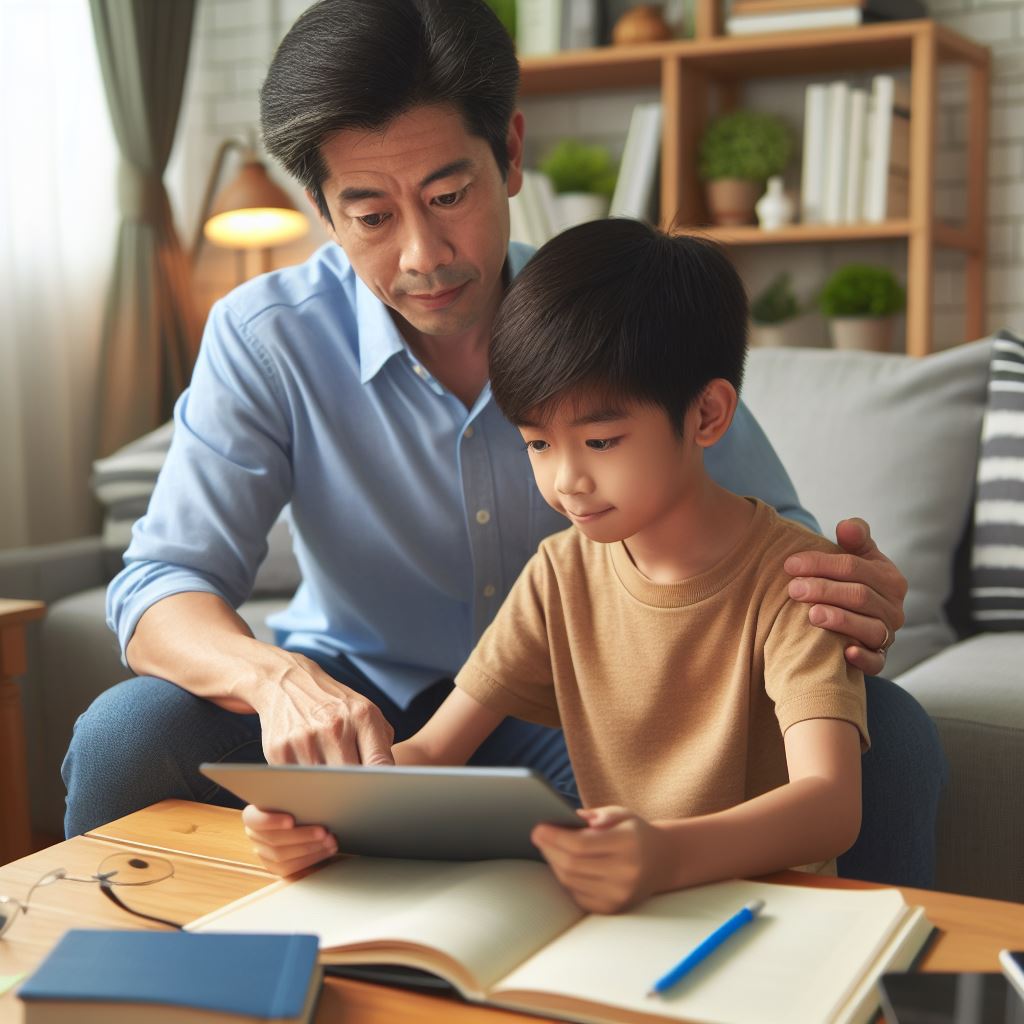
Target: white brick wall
pixel 234 41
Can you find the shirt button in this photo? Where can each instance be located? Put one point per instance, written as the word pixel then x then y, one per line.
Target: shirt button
pixel 468 433
pixel 483 517
pixel 419 371
pixel 490 590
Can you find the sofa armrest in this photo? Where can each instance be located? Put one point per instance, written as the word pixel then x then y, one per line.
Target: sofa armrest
pixel 48 572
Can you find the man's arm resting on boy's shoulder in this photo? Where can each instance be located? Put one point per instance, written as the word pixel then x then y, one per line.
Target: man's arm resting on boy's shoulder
pixel 451 736
pixel 621 859
pixel 200 643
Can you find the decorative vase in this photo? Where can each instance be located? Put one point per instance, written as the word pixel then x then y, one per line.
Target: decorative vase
pixel 641 24
pixel 774 209
pixel 862 333
pixel 731 201
pixel 572 208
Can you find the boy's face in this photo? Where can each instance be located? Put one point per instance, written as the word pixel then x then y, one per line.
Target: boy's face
pixel 615 472
pixel 421 211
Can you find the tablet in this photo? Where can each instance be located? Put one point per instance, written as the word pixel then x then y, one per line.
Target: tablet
pixel 423 813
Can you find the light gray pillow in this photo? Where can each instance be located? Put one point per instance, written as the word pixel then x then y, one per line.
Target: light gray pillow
pixel 892 439
pixel 123 482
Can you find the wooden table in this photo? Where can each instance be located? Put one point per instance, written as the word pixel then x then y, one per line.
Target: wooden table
pixel 215 865
pixel 15 825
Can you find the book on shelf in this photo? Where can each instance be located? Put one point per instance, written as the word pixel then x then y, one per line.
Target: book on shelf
pixel 751 17
pixel 837 152
pixel 505 933
pixel 532 214
pixel 887 178
pixel 855 157
pixel 815 147
pixel 548 26
pixel 638 169
pixel 96 977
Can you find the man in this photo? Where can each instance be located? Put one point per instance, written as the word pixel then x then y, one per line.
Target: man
pixel 354 389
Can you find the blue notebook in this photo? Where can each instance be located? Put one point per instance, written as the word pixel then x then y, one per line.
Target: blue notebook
pixel 99 974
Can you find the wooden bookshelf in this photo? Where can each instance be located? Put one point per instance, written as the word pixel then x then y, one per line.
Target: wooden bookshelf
pixel 709 72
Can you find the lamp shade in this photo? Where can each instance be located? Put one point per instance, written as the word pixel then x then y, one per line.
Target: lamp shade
pixel 251 212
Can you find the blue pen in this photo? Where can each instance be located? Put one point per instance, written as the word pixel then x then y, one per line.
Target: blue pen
pixel 708 946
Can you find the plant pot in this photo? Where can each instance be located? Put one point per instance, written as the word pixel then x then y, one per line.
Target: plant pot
pixel 572 208
pixel 863 333
pixel 731 201
pixel 771 335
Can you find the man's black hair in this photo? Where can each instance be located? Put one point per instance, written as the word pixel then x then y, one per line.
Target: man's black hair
pixel 359 64
pixel 622 311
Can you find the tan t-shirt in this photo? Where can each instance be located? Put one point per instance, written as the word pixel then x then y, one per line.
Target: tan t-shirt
pixel 674 698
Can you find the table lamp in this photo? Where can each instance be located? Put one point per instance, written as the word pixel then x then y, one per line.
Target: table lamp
pixel 250 212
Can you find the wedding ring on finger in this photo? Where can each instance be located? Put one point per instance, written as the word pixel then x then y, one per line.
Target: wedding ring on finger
pixel 887 642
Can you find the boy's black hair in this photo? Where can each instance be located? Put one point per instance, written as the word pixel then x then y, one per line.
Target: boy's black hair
pixel 361 63
pixel 621 310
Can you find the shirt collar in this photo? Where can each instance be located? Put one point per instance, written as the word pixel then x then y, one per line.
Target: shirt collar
pixel 380 339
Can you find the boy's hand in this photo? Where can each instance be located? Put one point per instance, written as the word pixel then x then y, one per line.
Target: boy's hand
pixel 858 594
pixel 283 846
pixel 613 863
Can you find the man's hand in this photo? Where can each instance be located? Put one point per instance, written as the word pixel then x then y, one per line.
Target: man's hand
pixel 283 846
pixel 309 718
pixel 858 594
pixel 615 862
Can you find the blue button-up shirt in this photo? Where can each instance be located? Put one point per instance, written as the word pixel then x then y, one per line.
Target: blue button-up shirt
pixel 412 516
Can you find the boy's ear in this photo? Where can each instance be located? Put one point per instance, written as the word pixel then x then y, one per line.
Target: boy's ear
pixel 714 410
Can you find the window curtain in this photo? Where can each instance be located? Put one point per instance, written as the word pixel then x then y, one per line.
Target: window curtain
pixel 57 221
pixel 150 330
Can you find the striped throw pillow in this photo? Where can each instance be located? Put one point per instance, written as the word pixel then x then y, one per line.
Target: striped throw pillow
pixel 997 556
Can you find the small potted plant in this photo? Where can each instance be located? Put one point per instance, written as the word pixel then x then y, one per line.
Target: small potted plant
pixel 738 154
pixel 583 177
pixel 860 302
pixel 771 310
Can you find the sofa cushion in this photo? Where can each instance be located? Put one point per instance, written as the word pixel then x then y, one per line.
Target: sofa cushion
pixel 972 692
pixel 123 482
pixel 892 439
pixel 997 555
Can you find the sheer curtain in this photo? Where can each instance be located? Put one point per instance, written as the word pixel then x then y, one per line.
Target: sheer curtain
pixel 58 217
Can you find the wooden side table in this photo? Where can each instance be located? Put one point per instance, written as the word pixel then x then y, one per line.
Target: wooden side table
pixel 15 825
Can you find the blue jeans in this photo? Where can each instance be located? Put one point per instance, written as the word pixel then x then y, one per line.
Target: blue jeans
pixel 143 740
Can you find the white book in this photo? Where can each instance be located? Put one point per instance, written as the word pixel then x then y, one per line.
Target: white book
pixel 855 156
pixel 538 27
pixel 812 179
pixel 886 189
pixel 529 211
pixel 838 114
pixel 504 932
pixel 638 169
pixel 787 21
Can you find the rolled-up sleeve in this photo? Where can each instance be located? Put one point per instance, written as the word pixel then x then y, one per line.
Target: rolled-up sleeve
pixel 225 480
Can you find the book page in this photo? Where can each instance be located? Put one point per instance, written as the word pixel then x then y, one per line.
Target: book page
pixel 487 916
pixel 800 961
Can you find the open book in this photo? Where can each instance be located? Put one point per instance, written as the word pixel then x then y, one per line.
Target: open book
pixel 505 932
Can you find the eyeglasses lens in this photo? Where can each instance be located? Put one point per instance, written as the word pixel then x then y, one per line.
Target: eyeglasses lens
pixel 134 869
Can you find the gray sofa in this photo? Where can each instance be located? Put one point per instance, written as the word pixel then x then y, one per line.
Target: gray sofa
pixel 892 439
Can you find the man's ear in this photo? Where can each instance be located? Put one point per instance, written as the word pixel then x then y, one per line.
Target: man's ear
pixel 714 410
pixel 325 223
pixel 514 145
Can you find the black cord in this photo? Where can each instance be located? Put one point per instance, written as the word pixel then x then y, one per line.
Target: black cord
pixel 108 890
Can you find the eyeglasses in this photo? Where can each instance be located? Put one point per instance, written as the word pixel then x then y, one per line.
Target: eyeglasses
pixel 119 869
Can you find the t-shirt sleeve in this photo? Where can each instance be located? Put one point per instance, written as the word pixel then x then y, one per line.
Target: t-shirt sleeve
pixel 807 675
pixel 510 670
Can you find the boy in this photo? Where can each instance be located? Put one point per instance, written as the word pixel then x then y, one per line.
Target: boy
pixel 711 734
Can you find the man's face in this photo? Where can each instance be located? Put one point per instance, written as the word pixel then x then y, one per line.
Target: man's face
pixel 421 211
pixel 616 471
